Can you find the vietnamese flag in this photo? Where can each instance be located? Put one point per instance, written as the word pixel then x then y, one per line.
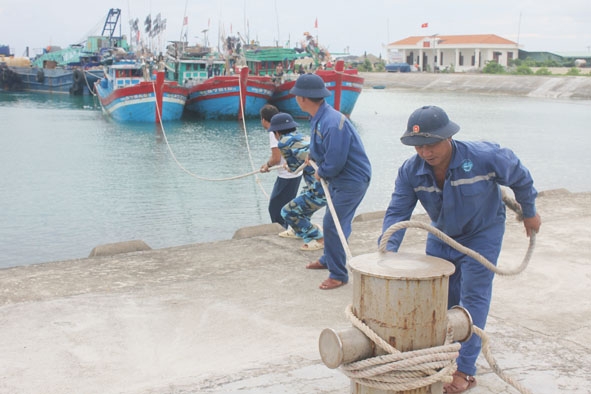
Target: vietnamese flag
pixel 316 24
pixel 425 25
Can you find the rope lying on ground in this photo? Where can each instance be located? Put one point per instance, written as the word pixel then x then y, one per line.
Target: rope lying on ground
pixel 493 363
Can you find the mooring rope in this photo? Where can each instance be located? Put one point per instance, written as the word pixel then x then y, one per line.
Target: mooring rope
pixel 486 352
pixel 241 105
pixel 254 172
pixel 333 213
pixel 401 371
pixel 90 89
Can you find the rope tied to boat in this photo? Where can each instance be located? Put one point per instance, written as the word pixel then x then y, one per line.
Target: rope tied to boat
pixel 183 168
pixel 401 371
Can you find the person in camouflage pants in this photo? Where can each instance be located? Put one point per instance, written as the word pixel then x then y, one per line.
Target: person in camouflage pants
pixel 298 212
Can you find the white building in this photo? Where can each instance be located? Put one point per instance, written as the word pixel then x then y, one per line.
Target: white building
pixel 462 53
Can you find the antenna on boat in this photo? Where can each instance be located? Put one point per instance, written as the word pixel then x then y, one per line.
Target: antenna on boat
pixel 185 28
pixel 205 44
pixel 277 21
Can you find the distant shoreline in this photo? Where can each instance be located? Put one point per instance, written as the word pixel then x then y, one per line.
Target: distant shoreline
pixel 551 86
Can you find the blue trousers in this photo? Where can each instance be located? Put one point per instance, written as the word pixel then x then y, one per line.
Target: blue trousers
pixel 345 200
pixel 284 190
pixel 470 286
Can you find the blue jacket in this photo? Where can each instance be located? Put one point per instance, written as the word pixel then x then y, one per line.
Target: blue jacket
pixel 337 148
pixel 470 202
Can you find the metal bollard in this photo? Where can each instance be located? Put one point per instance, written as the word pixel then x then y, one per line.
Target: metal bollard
pixel 403 298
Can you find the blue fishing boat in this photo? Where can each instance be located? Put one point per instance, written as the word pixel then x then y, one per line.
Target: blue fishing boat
pixel 129 92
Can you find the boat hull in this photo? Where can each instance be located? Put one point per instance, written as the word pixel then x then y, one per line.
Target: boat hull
pixel 345 88
pixel 230 97
pixel 55 80
pixel 140 103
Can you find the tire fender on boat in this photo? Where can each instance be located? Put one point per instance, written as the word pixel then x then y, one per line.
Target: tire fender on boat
pixel 78 76
pixel 40 76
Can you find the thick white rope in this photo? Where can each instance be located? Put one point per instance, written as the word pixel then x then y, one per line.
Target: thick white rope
pixel 401 371
pixel 257 180
pixel 459 247
pixel 334 214
pixel 254 172
pixel 493 363
pixel 87 84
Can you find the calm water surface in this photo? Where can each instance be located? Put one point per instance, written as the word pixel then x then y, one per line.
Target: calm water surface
pixel 72 179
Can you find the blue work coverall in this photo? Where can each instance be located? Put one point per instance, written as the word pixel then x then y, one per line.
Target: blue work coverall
pixel 337 149
pixel 470 210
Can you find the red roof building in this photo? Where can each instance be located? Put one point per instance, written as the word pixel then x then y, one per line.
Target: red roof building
pixel 460 53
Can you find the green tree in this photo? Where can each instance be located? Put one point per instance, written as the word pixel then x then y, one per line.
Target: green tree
pixel 573 71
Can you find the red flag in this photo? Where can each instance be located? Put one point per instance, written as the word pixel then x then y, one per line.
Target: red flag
pixel 316 24
pixel 425 25
pixel 185 20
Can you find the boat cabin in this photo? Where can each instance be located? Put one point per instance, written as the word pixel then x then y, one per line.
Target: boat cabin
pixel 125 75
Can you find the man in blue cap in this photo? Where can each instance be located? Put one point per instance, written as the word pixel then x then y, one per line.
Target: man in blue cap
pixel 457 183
pixel 336 148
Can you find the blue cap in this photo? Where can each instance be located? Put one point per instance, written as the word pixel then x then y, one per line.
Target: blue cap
pixel 428 125
pixel 282 121
pixel 310 85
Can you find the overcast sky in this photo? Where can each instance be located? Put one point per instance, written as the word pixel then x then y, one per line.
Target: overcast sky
pixel 361 26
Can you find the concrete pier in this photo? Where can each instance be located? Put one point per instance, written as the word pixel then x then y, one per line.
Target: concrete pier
pixel 244 315
pixel 540 86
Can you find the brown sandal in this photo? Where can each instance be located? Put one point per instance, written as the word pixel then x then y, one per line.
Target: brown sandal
pixel 461 382
pixel 330 284
pixel 317 265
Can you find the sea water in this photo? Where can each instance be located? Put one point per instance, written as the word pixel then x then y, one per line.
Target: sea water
pixel 73 179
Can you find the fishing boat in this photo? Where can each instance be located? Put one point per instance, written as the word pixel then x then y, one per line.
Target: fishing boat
pixel 73 69
pixel 19 74
pixel 276 62
pixel 239 96
pixel 344 84
pixel 191 65
pixel 130 93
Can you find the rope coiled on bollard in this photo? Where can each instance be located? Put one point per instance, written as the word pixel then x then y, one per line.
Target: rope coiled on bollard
pixel 401 371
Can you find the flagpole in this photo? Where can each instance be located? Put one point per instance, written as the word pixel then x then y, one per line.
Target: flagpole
pixel 316 27
pixel 185 24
